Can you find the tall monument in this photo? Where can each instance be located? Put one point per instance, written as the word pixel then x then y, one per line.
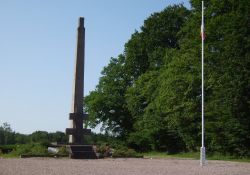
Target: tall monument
pixel 77 146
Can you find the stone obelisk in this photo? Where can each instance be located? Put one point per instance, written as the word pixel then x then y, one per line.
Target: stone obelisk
pixel 77 146
pixel 77 116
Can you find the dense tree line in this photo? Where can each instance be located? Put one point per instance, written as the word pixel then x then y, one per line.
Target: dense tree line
pixel 150 95
pixel 8 136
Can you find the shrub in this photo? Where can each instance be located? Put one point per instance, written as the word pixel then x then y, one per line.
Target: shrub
pixel 124 152
pixel 63 150
pixel 30 149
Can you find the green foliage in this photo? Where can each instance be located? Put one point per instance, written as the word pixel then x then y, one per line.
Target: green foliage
pixel 34 149
pixel 63 150
pixel 102 140
pixel 107 103
pixel 124 152
pixel 57 136
pixel 21 138
pixel 39 136
pixel 156 154
pixel 7 136
pixel 145 50
pixel 154 88
pixel 194 155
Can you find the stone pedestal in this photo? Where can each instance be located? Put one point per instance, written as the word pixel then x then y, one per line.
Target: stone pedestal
pixel 82 152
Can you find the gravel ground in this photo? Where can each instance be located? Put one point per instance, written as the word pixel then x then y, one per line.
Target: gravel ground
pixel 64 166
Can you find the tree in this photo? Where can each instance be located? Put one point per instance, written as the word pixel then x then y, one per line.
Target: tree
pixel 21 138
pixel 151 94
pixel 57 136
pixel 40 137
pixel 6 134
pixel 226 82
pixel 107 103
pixel 143 52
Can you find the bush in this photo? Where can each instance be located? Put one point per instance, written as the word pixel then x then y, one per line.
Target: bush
pixel 101 149
pixel 30 149
pixel 124 152
pixel 102 146
pixel 63 150
pixel 5 149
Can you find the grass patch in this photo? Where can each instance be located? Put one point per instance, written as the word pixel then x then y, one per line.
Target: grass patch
pixel 31 150
pixel 125 152
pixel 190 155
pixel 194 155
pixel 8 155
pixel 17 150
pixel 227 158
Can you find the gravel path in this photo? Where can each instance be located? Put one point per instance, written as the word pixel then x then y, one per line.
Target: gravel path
pixel 64 166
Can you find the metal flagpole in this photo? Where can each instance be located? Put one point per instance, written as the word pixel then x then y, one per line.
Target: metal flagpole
pixel 202 149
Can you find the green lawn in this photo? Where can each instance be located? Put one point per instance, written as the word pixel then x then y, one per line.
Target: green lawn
pixel 194 155
pixel 22 149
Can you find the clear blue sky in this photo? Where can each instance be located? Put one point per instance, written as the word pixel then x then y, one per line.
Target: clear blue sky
pixel 37 52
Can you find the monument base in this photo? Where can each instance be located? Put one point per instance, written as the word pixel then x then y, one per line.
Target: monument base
pixel 82 152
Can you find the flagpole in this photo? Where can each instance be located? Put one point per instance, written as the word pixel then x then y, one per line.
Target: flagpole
pixel 202 149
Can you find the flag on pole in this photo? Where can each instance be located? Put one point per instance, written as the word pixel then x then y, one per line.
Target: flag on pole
pixel 202 32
